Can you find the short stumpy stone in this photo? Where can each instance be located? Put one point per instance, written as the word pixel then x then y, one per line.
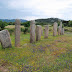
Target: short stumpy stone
pixel 46 31
pixel 32 31
pixel 55 29
pixel 38 32
pixel 59 30
pixel 17 33
pixel 5 39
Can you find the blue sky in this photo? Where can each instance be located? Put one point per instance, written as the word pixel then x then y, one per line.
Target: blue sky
pixel 35 9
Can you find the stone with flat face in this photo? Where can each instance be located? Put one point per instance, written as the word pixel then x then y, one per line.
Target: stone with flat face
pixel 59 30
pixel 41 31
pixel 62 31
pixel 46 31
pixel 61 24
pixel 32 31
pixel 5 39
pixel 17 33
pixel 55 29
pixel 38 32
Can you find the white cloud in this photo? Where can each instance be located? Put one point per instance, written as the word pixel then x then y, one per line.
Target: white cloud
pixel 30 17
pixel 45 8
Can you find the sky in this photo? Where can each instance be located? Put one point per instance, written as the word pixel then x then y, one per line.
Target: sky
pixel 35 9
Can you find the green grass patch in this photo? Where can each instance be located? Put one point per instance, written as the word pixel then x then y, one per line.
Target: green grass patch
pixel 53 54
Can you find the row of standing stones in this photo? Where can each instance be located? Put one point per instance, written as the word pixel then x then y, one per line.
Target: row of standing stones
pixel 5 36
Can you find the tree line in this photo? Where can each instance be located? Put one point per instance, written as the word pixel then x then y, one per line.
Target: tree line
pixel 27 24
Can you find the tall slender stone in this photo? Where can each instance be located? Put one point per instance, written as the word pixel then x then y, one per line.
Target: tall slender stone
pixel 17 33
pixel 61 24
pixel 41 31
pixel 38 32
pixel 5 39
pixel 62 31
pixel 55 29
pixel 32 31
pixel 59 30
pixel 46 31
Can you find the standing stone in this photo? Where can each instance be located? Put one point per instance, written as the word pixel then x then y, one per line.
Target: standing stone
pixel 55 29
pixel 59 30
pixel 5 39
pixel 32 31
pixel 41 31
pixel 38 32
pixel 17 33
pixel 61 24
pixel 46 31
pixel 62 31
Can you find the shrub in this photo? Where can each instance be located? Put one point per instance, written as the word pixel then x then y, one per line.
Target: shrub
pixel 26 24
pixel 22 29
pixel 70 24
pixel 25 30
pixel 11 23
pixel 2 25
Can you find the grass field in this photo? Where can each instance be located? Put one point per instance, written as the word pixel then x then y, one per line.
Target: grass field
pixel 12 26
pixel 53 54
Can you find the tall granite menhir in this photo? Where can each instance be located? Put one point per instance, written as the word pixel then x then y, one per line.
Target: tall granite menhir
pixel 55 29
pixel 5 39
pixel 62 31
pixel 32 31
pixel 38 32
pixel 59 30
pixel 17 33
pixel 46 31
pixel 41 31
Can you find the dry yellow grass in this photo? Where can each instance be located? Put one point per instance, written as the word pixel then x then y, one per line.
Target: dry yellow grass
pixel 12 26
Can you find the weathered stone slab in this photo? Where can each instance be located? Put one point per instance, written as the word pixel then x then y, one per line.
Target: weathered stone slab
pixel 46 31
pixel 17 33
pixel 32 31
pixel 41 31
pixel 62 31
pixel 61 24
pixel 5 39
pixel 55 29
pixel 38 32
pixel 59 30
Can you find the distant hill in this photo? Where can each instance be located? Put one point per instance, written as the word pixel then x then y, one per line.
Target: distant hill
pixel 49 20
pixel 12 20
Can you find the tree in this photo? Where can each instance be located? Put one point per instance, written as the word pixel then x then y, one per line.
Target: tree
pixel 2 25
pixel 70 24
pixel 26 24
pixel 11 23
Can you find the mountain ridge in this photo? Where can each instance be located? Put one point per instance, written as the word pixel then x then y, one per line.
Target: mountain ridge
pixel 49 20
pixel 12 20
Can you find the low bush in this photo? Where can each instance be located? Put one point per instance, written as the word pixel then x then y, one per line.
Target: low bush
pixel 22 29
pixel 25 30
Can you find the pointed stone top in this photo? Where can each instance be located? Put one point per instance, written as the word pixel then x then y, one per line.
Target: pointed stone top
pixel 17 21
pixel 32 22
